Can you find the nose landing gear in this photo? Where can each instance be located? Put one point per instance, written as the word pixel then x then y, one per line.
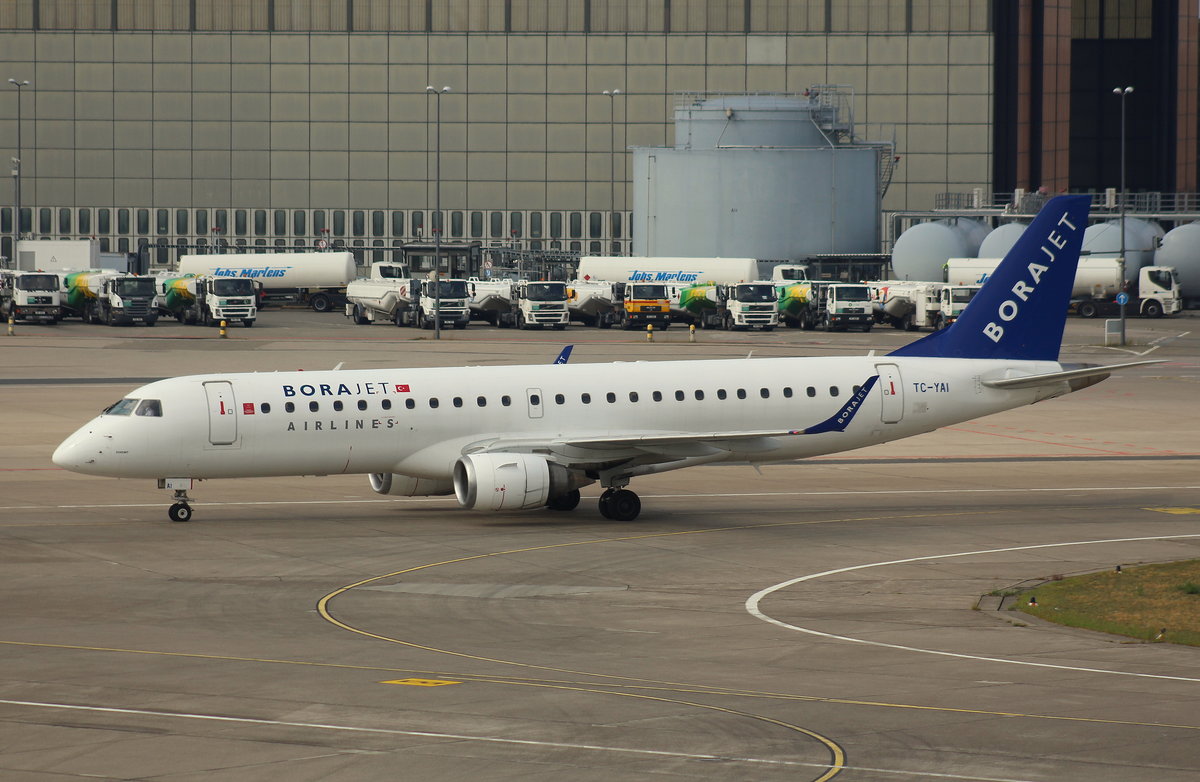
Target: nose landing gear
pixel 181 510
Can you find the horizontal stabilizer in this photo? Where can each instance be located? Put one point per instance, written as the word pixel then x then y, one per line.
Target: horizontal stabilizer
pixel 1085 372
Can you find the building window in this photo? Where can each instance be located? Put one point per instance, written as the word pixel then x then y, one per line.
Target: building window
pixel 378 223
pixel 104 221
pixel 514 224
pixel 535 225
pixel 85 221
pixel 64 220
pixel 181 221
pixel 359 220
pixel 556 228
pixel 122 221
pixel 397 223
pixel 576 225
pixel 496 224
pixel 240 224
pixel 260 222
pixel 339 222
pixel 202 222
pixel 456 224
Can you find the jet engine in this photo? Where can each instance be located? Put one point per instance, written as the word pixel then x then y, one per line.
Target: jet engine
pixel 510 481
pixel 408 486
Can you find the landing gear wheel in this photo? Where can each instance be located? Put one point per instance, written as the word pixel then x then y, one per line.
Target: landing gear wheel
pixel 563 502
pixel 180 511
pixel 620 505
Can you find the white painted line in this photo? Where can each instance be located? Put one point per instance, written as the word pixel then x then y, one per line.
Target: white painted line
pixel 491 740
pixel 881 492
pixel 753 602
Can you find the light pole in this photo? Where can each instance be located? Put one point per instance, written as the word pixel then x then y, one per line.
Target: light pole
pixel 612 165
pixel 16 174
pixel 1122 94
pixel 437 213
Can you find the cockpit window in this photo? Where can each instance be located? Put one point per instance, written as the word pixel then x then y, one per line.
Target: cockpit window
pixel 150 407
pixel 124 407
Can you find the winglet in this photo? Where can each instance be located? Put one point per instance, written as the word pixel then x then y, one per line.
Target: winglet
pixel 842 418
pixel 565 355
pixel 1021 310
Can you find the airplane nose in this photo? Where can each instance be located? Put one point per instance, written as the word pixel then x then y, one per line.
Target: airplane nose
pixel 75 453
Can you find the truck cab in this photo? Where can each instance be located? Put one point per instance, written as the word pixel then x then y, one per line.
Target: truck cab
pixel 449 298
pixel 751 305
pixel 540 304
pixel 952 301
pixel 122 299
pixel 646 303
pixel 31 296
pixel 837 306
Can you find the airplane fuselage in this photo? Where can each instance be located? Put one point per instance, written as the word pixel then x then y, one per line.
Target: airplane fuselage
pixel 418 422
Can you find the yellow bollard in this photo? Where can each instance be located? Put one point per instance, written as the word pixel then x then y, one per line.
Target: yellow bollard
pixel 692 333
pixel 223 324
pixel 11 322
pixel 649 332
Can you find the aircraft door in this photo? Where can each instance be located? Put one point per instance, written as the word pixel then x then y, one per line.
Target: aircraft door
pixel 222 417
pixel 533 396
pixel 893 392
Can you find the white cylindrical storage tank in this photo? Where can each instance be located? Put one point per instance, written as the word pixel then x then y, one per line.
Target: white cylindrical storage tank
pixel 1000 241
pixel 973 233
pixel 1181 249
pixel 921 252
pixel 1141 239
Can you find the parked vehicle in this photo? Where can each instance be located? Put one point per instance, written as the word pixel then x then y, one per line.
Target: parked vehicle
pixel 113 298
pixel 317 279
pixel 207 300
pixel 31 296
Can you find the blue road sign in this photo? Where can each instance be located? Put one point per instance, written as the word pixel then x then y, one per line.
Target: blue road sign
pixel 1122 298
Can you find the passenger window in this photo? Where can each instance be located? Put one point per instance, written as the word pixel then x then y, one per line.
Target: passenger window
pixel 506 400
pixel 679 396
pixel 337 405
pixel 481 401
pixel 362 404
pixel 721 393
pixel 151 408
pixel 433 402
pixel 559 399
pixel 534 399
pixel 811 391
pixel 699 395
pixel 458 401
pixel 787 391
pixel 633 396
pixel 611 397
pixel 741 393
pixel 765 393
pixel 833 390
pixel 385 404
pixel 409 403
pixel 123 407
pixel 288 407
pixel 854 389
pixel 657 395
pixel 265 407
pixel 586 398
pixel 313 406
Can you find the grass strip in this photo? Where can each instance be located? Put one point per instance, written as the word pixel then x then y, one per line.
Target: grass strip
pixel 1148 602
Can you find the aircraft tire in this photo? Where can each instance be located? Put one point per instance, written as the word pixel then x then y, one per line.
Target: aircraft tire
pixel 565 502
pixel 624 505
pixel 180 511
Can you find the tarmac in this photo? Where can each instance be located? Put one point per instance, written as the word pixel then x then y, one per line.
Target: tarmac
pixel 812 620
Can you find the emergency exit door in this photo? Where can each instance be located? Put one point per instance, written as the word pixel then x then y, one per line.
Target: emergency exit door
pixel 893 393
pixel 222 417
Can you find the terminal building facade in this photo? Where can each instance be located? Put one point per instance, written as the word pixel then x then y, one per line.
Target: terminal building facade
pixel 172 124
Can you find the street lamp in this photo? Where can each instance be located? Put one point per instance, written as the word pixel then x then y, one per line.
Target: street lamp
pixel 1122 94
pixel 16 174
pixel 437 214
pixel 612 164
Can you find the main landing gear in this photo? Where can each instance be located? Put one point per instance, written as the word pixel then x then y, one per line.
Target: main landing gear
pixel 620 504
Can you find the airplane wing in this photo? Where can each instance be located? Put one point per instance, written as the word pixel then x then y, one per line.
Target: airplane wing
pixel 1089 372
pixel 666 446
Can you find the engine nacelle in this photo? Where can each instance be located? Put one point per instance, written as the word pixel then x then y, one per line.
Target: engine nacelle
pixel 408 486
pixel 509 481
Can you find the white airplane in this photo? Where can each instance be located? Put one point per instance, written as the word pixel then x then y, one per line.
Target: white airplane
pixel 527 437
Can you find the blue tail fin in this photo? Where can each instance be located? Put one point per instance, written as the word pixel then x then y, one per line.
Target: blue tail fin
pixel 1021 310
